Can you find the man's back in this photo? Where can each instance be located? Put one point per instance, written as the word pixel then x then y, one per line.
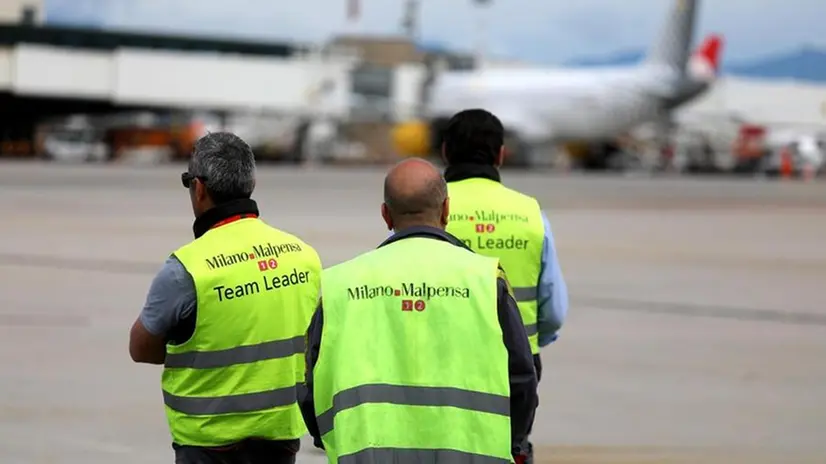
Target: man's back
pixel 275 262
pixel 504 223
pixel 422 332
pixel 496 221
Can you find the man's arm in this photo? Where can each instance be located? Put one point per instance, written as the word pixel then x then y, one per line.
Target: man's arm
pixel 171 297
pixel 552 292
pixel 307 402
pixel 521 370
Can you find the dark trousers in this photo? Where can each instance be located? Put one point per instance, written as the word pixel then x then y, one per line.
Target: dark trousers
pixel 537 364
pixel 250 451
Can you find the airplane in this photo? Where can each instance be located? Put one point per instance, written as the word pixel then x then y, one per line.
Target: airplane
pixel 543 108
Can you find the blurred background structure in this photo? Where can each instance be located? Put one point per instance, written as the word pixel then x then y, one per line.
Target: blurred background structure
pixel 72 92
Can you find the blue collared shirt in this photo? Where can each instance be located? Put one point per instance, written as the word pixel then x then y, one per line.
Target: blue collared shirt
pixel 551 290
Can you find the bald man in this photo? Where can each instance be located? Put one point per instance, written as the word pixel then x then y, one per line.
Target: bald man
pixel 420 354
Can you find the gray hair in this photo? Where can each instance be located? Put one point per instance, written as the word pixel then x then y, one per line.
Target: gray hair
pixel 226 165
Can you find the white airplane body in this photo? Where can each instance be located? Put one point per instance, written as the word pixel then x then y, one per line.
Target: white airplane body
pixel 562 105
pixel 545 104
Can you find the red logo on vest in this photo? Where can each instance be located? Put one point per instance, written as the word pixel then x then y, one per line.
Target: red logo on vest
pixel 482 228
pixel 267 264
pixel 410 305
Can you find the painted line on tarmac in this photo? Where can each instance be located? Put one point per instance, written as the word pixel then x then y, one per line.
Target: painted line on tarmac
pixel 43 320
pixel 703 310
pixel 568 454
pixel 96 446
pixel 676 309
pixel 79 264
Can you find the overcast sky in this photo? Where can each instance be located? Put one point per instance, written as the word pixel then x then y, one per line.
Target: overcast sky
pixel 540 30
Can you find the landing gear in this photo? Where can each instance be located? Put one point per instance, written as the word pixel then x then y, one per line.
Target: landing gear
pixel 607 157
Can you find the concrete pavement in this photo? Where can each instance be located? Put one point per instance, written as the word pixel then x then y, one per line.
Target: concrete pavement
pixel 697 328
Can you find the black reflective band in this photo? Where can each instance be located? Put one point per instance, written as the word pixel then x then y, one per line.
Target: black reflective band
pixel 413 396
pixel 531 329
pixel 248 402
pixel 238 355
pixel 524 294
pixel 417 456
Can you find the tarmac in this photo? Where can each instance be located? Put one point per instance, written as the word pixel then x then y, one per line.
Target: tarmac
pixel 696 332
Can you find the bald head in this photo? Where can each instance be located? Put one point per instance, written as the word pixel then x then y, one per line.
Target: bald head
pixel 415 193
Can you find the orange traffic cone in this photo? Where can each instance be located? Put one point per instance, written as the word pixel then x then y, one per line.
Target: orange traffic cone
pixel 786 168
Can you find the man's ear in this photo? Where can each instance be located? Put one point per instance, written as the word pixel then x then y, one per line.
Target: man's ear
pixel 200 190
pixel 385 214
pixel 445 211
pixel 500 158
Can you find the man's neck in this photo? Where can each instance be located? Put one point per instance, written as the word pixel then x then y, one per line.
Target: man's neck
pixel 209 218
pixel 404 226
pixel 460 172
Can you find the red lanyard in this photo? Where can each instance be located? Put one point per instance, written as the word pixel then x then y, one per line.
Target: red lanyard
pixel 237 217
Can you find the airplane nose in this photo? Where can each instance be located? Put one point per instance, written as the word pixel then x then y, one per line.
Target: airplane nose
pixel 411 138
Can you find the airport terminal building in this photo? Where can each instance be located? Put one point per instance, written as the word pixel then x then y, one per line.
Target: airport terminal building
pixel 49 71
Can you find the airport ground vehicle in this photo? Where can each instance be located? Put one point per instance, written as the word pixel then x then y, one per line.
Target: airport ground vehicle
pixel 802 156
pixel 158 137
pixel 76 141
pixel 109 137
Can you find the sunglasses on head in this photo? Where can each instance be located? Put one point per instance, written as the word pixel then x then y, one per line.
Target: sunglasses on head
pixel 187 178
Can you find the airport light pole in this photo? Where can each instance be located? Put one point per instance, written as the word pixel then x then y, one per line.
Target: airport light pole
pixel 481 32
pixel 410 20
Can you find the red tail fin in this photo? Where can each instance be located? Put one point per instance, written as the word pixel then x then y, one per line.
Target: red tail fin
pixel 705 62
pixel 709 51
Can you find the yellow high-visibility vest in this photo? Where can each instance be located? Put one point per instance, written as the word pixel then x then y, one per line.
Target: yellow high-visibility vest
pixel 412 366
pixel 236 377
pixel 496 221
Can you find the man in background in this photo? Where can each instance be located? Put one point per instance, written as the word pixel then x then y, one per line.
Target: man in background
pixel 500 222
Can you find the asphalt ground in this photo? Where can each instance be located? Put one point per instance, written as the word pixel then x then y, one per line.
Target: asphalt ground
pixel 697 328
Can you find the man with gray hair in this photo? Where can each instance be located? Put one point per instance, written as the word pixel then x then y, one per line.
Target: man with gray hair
pixel 226 316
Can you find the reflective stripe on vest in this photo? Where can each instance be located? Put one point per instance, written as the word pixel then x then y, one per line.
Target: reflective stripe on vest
pixel 417 456
pixel 238 355
pixel 238 375
pixel 412 396
pixel 411 335
pixel 496 221
pixel 231 404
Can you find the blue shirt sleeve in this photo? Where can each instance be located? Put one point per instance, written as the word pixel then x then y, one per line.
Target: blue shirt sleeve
pixel 552 291
pixel 171 298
